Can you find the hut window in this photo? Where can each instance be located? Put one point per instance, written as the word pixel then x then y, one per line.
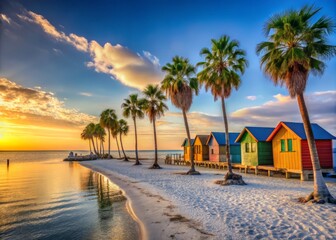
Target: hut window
pixel 247 147
pixel 290 145
pixel 212 151
pixel 283 145
pixel 253 147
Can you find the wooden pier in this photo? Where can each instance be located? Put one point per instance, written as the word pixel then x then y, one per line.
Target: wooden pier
pixel 177 159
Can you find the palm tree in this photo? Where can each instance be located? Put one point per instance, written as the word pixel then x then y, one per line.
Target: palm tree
pixel 115 133
pixel 107 120
pixel 297 46
pixel 99 133
pixel 123 130
pixel 85 136
pixel 90 129
pixel 179 84
pixel 154 108
pixel 222 67
pixel 132 106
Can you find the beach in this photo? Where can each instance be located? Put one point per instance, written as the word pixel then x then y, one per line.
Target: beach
pixel 170 205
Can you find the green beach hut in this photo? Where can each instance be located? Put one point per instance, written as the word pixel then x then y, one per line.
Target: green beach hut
pixel 255 150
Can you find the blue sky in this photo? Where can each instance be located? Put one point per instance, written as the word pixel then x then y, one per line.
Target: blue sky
pixel 147 34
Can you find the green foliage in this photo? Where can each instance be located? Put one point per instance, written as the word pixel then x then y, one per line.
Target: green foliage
pixel 296 46
pixel 153 103
pixel 222 67
pixel 180 82
pixel 133 107
pixel 122 127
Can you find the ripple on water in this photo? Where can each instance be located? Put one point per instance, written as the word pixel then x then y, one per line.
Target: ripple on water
pixel 61 200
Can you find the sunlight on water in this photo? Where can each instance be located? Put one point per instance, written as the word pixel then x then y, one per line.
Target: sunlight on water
pixel 43 197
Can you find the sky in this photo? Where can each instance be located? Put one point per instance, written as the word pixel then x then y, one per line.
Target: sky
pixel 62 62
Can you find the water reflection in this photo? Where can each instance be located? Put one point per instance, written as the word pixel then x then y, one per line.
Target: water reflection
pixel 57 200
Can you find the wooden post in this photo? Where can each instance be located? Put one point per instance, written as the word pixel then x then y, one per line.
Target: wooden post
pixel 287 175
pixel 7 162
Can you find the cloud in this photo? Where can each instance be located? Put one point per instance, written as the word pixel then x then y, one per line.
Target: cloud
pixel 131 69
pixel 86 94
pixel 321 107
pixel 80 43
pixel 252 98
pixel 27 105
pixel 4 18
pixel 152 58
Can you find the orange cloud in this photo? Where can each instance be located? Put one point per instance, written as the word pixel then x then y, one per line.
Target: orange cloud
pixel 129 68
pixel 35 119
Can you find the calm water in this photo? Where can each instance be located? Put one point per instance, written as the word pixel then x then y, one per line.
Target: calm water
pixel 42 197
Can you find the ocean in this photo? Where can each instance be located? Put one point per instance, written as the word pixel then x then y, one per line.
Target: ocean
pixel 42 197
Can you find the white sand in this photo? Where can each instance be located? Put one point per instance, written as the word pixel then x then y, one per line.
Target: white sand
pixel 266 208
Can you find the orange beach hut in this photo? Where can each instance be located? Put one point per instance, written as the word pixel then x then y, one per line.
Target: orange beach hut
pixel 201 149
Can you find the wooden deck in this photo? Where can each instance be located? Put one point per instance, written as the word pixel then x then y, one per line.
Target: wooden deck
pixel 177 159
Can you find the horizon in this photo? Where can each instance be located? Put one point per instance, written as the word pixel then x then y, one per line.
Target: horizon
pixel 60 71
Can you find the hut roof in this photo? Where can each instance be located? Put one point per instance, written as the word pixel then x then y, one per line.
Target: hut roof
pixel 258 133
pixel 318 132
pixel 221 140
pixel 203 139
pixel 185 142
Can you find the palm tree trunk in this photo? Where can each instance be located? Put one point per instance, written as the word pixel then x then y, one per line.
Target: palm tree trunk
pixel 155 165
pixel 228 159
pixel 97 146
pixel 321 192
pixel 191 148
pixel 94 147
pixel 137 162
pixel 103 147
pixel 118 147
pixel 109 143
pixel 122 148
pixel 90 146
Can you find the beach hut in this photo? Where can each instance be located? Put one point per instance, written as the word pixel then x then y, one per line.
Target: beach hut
pixel 255 150
pixel 201 149
pixel 217 147
pixel 186 148
pixel 291 151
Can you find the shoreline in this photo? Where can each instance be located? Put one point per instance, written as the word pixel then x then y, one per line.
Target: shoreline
pixel 143 235
pixel 156 215
pixel 175 206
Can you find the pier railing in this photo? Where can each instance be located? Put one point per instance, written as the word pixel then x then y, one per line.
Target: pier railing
pixel 175 159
